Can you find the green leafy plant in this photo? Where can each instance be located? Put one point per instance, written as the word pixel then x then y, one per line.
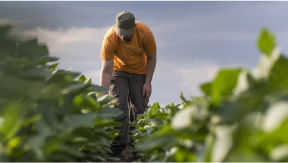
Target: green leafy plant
pixel 242 116
pixel 49 114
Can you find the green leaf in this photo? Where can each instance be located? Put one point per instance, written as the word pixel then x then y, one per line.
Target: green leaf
pixel 49 116
pixel 105 99
pixel 13 117
pixel 69 151
pixel 31 49
pixel 43 60
pixel 38 73
pixel 53 66
pixel 224 83
pixel 184 100
pixel 279 71
pixel 275 115
pixel 31 120
pixel 266 42
pixel 82 78
pixel 75 88
pixel 88 101
pixel 97 88
pixel 265 65
pixel 74 121
pixel 12 87
pixel 36 142
pixel 156 106
pixel 108 113
pixel 206 88
pixel 155 141
pixel 20 63
pixel 63 76
pixel 184 155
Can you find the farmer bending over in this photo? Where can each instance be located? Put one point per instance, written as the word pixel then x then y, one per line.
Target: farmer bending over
pixel 128 56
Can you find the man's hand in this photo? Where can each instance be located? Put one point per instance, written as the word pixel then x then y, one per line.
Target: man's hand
pixel 151 63
pixel 147 89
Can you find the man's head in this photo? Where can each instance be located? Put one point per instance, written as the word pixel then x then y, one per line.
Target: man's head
pixel 125 23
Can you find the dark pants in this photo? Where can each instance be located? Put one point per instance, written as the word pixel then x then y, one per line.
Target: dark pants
pixel 127 91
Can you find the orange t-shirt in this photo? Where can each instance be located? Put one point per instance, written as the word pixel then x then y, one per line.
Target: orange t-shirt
pixel 129 56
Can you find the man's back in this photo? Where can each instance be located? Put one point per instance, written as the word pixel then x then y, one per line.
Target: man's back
pixel 129 56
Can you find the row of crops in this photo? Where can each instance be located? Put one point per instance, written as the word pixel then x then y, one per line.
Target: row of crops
pixel 243 116
pixel 50 114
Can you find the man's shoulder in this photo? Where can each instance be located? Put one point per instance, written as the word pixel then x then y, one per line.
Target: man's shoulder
pixel 110 33
pixel 144 31
pixel 141 26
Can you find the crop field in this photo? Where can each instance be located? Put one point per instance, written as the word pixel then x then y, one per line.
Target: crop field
pixel 51 114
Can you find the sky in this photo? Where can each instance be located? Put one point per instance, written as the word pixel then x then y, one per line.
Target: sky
pixel 194 39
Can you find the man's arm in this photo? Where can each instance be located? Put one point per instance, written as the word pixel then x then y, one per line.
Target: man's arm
pixel 106 73
pixel 151 64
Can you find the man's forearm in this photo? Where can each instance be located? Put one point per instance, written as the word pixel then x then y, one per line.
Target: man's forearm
pixel 106 73
pixel 105 79
pixel 151 64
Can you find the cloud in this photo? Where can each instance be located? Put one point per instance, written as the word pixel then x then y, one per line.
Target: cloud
pixel 171 78
pixel 60 39
pixel 4 21
pixel 192 76
pixel 202 29
pixel 77 48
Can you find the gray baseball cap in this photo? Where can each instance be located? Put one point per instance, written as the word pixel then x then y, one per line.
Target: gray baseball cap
pixel 125 22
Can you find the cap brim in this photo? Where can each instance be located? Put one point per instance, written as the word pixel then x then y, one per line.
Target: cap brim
pixel 124 32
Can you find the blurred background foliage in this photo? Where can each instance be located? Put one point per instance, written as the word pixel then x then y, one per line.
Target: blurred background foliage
pixel 49 114
pixel 242 116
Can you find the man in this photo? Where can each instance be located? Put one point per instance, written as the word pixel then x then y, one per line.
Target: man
pixel 128 56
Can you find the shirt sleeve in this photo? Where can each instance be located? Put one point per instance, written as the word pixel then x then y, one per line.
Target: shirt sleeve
pixel 149 42
pixel 107 49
